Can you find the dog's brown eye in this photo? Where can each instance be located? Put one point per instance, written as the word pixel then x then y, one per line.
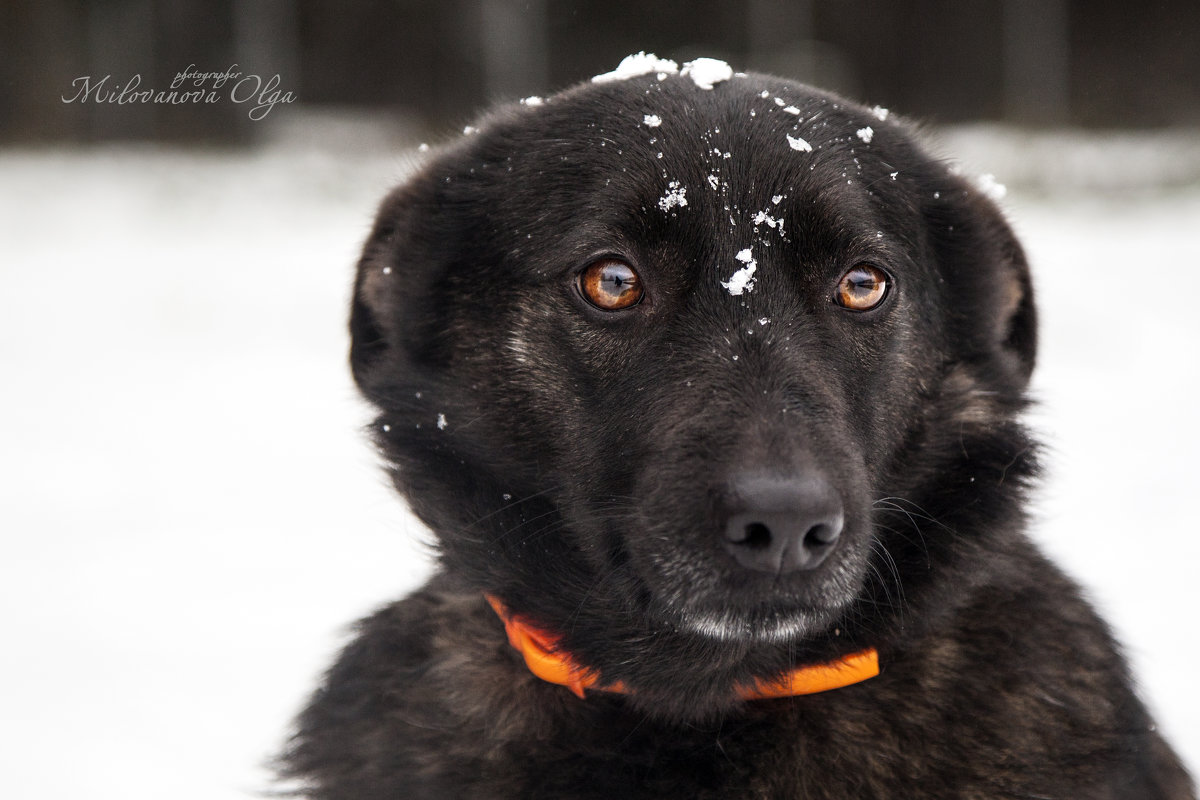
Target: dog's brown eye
pixel 611 285
pixel 862 288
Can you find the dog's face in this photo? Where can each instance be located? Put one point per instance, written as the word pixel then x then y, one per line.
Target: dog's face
pixel 672 369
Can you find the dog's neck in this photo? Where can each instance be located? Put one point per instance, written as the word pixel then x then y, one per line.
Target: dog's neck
pixel 548 661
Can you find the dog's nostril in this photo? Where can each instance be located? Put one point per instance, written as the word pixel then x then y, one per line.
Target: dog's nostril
pixel 821 536
pixel 758 536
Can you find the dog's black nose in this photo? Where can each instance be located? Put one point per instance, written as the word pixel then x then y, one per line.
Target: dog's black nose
pixel 782 524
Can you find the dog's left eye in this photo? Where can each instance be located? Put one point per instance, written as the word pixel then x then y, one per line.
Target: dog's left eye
pixel 862 288
pixel 611 285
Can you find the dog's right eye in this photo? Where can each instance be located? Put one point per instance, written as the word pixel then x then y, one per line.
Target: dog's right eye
pixel 862 288
pixel 611 285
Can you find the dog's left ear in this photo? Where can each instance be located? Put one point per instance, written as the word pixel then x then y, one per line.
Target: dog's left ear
pixel 990 292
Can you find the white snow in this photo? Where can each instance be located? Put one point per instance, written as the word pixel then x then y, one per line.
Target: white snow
pixel 714 182
pixel 792 110
pixel 441 422
pixel 775 199
pixel 763 218
pixel 866 134
pixel 652 120
pixel 676 196
pixel 796 143
pixel 742 280
pixel 991 187
pixel 191 513
pixel 1107 162
pixel 532 101
pixel 880 113
pixel 187 541
pixel 707 72
pixel 638 64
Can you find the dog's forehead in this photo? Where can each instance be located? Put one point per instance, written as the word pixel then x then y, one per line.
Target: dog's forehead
pixel 748 136
pixel 750 151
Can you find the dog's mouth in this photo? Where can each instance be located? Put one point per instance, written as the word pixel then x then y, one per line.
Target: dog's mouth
pixel 702 586
pixel 715 598
pixel 757 556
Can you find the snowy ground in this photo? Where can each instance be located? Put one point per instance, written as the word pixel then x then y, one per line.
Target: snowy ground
pixel 189 516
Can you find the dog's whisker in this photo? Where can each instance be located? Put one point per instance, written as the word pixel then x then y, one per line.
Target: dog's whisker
pixel 916 510
pixel 509 505
pixel 899 602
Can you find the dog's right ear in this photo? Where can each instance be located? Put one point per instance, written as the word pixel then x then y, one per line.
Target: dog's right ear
pixel 373 308
pixel 392 289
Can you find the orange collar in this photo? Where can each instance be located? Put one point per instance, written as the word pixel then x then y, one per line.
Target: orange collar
pixel 548 662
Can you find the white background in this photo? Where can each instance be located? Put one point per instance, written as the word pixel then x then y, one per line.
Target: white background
pixel 190 516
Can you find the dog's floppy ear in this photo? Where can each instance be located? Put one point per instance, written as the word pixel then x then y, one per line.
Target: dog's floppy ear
pixel 990 293
pixel 393 288
pixel 371 305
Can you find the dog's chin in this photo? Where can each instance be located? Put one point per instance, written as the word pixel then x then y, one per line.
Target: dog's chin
pixel 769 623
pixel 779 627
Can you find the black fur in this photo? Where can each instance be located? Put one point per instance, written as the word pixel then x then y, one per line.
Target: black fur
pixel 574 462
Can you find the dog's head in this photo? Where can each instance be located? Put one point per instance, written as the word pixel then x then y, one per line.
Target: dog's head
pixel 705 379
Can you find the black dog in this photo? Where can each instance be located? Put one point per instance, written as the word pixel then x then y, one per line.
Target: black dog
pixel 708 385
